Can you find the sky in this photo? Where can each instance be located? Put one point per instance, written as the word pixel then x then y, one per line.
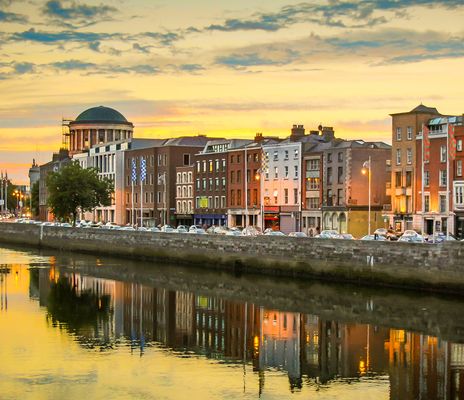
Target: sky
pixel 222 68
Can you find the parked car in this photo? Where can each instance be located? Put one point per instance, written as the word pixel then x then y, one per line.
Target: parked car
pixel 329 234
pixel 251 231
pixel 412 238
pixel 298 234
pixel 181 229
pixel 275 233
pixel 154 229
pixel 347 236
pixel 379 238
pixel 233 232
pixel 167 229
pixel 196 229
pixel 440 237
pixel 409 233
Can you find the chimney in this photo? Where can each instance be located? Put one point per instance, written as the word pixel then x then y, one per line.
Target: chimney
pixel 298 131
pixel 259 138
pixel 314 133
pixel 328 133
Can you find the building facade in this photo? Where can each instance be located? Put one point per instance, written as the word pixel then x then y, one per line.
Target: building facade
pixel 184 195
pixel 406 126
pixel 345 188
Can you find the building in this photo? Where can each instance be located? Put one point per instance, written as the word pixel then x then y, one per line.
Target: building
pixel 96 126
pixel 184 195
pixel 406 126
pixel 345 206
pixel 159 188
pixel 439 209
pixel 244 182
pixel 210 177
pixel 59 160
pixel 458 182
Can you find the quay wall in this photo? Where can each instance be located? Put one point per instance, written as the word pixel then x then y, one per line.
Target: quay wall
pixel 432 267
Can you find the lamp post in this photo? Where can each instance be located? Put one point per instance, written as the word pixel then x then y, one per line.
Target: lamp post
pixel 366 169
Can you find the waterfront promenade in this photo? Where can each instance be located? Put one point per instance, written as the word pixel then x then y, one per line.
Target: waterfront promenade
pixel 417 266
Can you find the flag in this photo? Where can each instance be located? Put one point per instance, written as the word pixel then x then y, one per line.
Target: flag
pixel 134 170
pixel 452 142
pixel 426 139
pixel 143 169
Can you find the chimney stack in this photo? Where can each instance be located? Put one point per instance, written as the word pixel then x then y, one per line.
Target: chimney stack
pixel 298 131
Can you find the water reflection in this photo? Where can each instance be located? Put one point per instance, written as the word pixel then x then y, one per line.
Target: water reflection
pixel 311 351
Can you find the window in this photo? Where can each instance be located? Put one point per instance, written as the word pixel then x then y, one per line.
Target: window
pixel 398 179
pixel 295 196
pixel 459 145
pixel 398 156
pixel 223 201
pixel 312 184
pixel 285 196
pixel 210 165
pixel 295 155
pixel 238 158
pixel 312 165
pixel 232 159
pixel 216 202
pixel 186 159
pixel 216 165
pixel 442 203
pixel 255 197
pixel 276 172
pixel 286 171
pixel 340 197
pixel 409 133
pixel 459 167
pixel 204 183
pixel 286 155
pixel 204 165
pixel 329 197
pixel 443 180
pixel 248 197
pixel 296 171
pixel 210 183
pixel 179 177
pixel 217 184
pixel 198 166
pixel 312 202
pixel 340 157
pixel 239 176
pixel 409 156
pixel 223 165
pixel 223 183
pixel 198 183
pixel 232 197
pixel 329 157
pixel 398 134
pixel 160 159
pixel 408 178
pixel 255 157
pixel 426 178
pixel 239 197
pixel 329 175
pixel 426 203
pixel 232 176
pixel 276 155
pixel 459 195
pixel 443 153
pixel 340 174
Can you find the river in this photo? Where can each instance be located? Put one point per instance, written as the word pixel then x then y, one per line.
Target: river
pixel 75 326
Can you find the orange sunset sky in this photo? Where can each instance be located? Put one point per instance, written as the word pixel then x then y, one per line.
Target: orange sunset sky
pixel 222 68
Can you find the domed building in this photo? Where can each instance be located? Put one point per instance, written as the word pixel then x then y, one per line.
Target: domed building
pixel 98 125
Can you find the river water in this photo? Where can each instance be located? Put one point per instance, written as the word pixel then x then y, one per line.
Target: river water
pixel 81 327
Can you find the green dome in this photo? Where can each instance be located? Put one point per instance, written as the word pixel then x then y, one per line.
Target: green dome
pixel 101 114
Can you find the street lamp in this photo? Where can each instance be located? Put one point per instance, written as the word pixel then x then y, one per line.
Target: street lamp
pixel 366 169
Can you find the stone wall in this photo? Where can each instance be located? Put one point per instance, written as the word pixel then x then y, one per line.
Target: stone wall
pixel 435 267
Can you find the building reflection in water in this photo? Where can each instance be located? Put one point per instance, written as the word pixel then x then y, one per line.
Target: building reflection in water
pixel 310 350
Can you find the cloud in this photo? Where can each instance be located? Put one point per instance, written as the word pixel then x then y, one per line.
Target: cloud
pixel 342 14
pixel 73 14
pixel 191 68
pixel 141 49
pixel 64 36
pixel 12 17
pixel 166 39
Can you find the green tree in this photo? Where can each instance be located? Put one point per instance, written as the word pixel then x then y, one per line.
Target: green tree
pixel 73 189
pixel 35 198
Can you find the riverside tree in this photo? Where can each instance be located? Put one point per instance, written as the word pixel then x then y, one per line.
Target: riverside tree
pixel 73 189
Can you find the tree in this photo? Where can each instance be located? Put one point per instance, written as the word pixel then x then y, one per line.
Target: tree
pixel 73 189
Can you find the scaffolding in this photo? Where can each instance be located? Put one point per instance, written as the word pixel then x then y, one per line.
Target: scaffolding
pixel 65 133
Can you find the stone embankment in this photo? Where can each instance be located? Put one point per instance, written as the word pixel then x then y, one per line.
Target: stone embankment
pixel 418 266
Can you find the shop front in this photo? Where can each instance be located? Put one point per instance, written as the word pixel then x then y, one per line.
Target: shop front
pixel 208 220
pixel 272 218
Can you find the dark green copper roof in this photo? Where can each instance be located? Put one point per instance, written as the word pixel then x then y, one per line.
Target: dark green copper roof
pixel 101 114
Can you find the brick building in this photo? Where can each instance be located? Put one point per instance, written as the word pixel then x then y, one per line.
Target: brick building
pixel 184 195
pixel 159 193
pixel 406 126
